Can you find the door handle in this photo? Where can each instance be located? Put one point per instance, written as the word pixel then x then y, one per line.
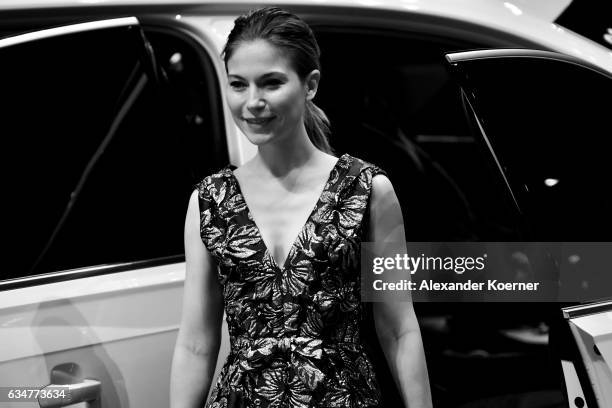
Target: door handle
pixel 87 390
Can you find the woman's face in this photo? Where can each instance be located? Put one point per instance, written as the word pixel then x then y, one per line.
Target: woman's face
pixel 265 95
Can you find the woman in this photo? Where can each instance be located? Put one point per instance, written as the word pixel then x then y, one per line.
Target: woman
pixel 275 243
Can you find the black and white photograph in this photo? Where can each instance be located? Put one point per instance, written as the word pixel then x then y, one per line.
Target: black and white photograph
pixel 306 204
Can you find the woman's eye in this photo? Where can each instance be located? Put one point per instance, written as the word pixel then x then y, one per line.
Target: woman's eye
pixel 273 84
pixel 237 85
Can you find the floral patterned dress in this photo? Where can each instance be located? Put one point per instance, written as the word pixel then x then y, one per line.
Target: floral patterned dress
pixel 294 330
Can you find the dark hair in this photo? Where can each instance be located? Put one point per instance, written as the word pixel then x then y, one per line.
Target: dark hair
pixel 290 33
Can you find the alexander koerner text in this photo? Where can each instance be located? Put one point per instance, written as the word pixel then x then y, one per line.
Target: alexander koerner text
pixel 430 285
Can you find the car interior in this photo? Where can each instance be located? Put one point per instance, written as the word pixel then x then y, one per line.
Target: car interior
pixel 391 101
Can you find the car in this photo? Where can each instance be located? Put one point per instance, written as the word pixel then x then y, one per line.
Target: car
pixel 490 119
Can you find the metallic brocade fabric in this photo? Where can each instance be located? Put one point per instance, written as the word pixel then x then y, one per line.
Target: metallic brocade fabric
pixel 294 330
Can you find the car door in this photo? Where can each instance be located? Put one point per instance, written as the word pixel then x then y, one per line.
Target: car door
pixel 103 144
pixel 544 118
pixel 586 354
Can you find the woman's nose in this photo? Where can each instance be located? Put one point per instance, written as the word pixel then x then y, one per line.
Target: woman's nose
pixel 255 101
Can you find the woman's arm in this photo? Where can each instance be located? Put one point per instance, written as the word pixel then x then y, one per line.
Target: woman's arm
pixel 199 336
pixel 396 324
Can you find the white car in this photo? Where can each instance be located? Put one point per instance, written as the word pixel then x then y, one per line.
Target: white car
pixel 112 110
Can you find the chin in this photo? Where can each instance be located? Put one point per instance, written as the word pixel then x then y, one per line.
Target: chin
pixel 258 139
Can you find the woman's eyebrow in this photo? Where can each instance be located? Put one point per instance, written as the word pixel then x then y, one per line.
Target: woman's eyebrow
pixel 273 73
pixel 264 76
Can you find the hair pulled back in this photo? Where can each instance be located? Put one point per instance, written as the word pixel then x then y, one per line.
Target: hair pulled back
pixel 291 34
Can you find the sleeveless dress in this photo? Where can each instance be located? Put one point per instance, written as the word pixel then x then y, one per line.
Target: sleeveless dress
pixel 294 329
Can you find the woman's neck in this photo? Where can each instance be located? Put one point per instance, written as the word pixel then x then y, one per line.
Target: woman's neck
pixel 281 158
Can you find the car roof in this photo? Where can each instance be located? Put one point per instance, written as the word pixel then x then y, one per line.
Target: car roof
pixel 548 10
pixel 522 18
pixel 493 8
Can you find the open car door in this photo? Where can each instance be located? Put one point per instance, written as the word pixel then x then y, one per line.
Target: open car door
pixel 545 119
pixel 586 356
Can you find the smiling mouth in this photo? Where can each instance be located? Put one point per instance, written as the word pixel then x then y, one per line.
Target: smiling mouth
pixel 259 121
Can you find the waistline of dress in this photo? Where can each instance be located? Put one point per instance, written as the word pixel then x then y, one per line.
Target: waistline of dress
pixel 305 344
pixel 305 352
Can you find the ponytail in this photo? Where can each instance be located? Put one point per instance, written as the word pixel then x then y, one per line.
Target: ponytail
pixel 317 126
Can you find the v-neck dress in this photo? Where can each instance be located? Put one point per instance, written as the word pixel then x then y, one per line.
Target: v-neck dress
pixel 294 329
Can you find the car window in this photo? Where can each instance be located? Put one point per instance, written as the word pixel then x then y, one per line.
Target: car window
pixel 391 101
pixel 549 124
pixel 61 97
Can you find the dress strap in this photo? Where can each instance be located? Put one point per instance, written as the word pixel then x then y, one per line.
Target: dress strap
pixel 359 177
pixel 211 224
pixel 357 191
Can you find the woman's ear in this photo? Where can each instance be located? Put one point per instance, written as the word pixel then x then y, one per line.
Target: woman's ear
pixel 312 84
